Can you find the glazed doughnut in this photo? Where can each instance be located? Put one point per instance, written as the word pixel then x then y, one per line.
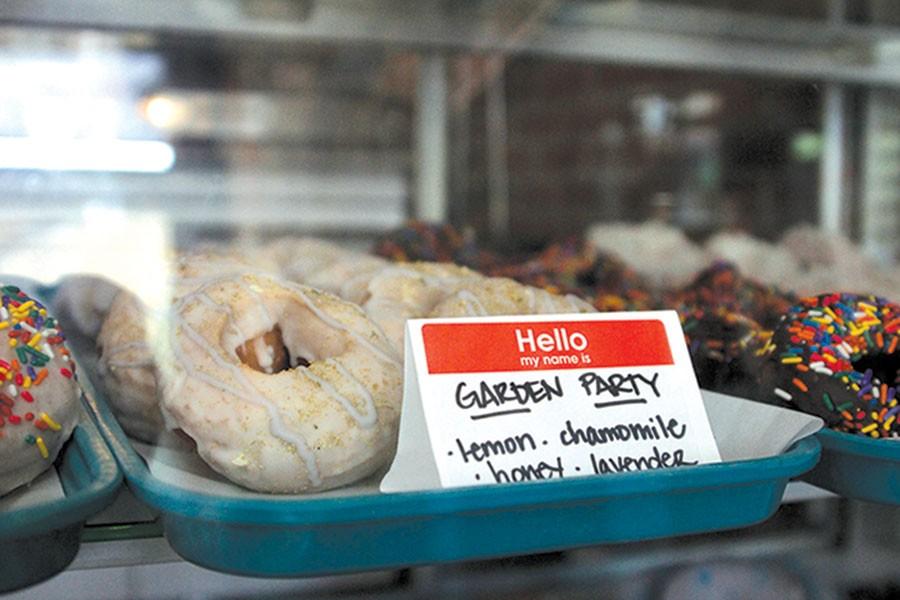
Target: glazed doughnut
pixel 501 296
pixel 38 395
pixel 410 291
pixel 348 277
pixel 326 417
pixel 128 354
pixel 127 367
pixel 836 356
pixel 298 258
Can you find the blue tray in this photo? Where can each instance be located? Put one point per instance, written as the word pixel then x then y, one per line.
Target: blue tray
pixel 858 467
pixel 41 540
pixel 281 536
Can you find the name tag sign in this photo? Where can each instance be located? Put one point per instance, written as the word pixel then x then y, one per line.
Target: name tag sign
pixel 525 398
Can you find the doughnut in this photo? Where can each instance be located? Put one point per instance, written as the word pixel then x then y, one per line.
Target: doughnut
pixel 722 346
pixel 410 291
pixel 347 277
pixel 39 396
pixel 298 258
pixel 82 302
pixel 417 241
pixel 325 417
pixel 836 356
pixel 613 285
pixel 501 296
pixel 755 257
pixel 127 365
pixel 559 267
pixel 721 285
pixel 662 254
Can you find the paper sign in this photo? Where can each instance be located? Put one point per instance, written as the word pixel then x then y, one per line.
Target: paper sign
pixel 525 398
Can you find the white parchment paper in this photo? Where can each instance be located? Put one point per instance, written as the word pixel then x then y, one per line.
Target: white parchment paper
pixel 743 430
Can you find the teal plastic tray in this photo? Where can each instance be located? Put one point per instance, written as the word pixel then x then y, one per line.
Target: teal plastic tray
pixel 304 536
pixel 41 540
pixel 858 467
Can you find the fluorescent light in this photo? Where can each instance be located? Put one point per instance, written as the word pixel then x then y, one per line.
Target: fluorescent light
pixel 43 154
pixel 164 112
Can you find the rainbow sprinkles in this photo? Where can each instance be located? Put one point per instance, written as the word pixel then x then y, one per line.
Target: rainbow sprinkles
pixel 36 339
pixel 835 356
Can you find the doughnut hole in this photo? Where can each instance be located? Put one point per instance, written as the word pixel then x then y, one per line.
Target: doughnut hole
pixel 885 367
pixel 297 339
pixel 265 353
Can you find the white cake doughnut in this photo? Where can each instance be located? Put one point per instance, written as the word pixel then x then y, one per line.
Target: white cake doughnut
pixel 410 291
pixel 298 258
pixel 348 277
pixel 326 418
pixel 38 392
pixel 128 358
pixel 660 253
pixel 502 296
pixel 127 367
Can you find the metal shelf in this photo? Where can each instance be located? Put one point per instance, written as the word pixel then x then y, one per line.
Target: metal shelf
pixel 635 33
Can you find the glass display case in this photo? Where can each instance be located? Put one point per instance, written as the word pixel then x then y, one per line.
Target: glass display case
pixel 720 159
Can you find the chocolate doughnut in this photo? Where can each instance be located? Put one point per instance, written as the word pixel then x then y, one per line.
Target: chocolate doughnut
pixel 836 356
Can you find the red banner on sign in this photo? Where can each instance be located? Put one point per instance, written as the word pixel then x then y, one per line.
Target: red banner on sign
pixel 529 346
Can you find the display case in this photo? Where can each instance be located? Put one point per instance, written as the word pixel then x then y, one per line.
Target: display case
pixel 706 156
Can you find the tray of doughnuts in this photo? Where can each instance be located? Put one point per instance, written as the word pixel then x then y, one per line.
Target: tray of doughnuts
pixel 213 523
pixel 257 415
pixel 55 469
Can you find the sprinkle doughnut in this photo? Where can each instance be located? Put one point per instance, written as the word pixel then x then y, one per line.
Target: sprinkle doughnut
pixel 326 416
pixel 501 296
pixel 128 356
pixel 419 241
pixel 722 285
pixel 38 391
pixel 721 343
pixel 836 356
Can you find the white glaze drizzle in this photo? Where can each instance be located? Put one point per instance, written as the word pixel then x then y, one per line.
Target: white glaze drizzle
pixel 385 355
pixel 249 394
pixel 365 420
pixel 532 301
pixel 472 305
pixel 578 304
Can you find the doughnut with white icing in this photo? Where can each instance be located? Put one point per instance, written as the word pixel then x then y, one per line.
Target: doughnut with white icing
pixel 325 417
pixel 501 296
pixel 410 291
pixel 38 392
pixel 133 337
